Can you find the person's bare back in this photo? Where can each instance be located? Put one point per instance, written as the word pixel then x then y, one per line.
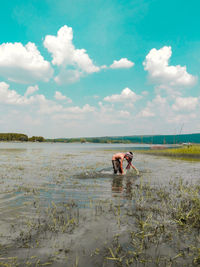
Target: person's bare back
pixel 118 156
pixel 117 161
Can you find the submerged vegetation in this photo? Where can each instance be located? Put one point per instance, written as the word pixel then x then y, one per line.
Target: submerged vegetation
pixel 159 226
pixel 187 151
pixel 66 208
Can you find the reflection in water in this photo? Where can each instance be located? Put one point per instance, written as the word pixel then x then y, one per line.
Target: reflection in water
pixel 123 185
pixel 117 184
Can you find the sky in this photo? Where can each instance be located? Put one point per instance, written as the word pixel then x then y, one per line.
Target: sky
pixel 83 68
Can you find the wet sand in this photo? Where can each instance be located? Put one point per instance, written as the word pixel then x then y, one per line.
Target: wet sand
pixel 61 205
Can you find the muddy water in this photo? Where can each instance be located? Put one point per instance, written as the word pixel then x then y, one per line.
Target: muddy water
pixel 35 177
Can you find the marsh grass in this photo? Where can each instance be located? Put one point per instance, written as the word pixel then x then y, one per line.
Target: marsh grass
pixel 158 226
pixel 163 228
pixel 184 152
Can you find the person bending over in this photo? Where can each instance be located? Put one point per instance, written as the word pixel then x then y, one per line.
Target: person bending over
pixel 117 161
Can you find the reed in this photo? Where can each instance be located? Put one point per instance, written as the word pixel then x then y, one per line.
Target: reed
pixel 191 151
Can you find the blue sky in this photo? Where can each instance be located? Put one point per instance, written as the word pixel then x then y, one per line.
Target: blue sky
pixel 95 68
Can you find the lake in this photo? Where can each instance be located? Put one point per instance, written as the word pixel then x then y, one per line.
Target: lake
pixel 61 205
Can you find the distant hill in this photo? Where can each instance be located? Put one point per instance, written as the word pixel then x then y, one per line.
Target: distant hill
pixel 140 139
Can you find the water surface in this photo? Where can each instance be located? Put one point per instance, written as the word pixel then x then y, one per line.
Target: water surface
pixel 36 174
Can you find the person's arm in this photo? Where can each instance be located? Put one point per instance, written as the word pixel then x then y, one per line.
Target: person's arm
pixel 135 169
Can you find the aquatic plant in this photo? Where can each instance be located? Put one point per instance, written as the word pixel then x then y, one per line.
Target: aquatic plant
pixel 191 151
pixel 156 228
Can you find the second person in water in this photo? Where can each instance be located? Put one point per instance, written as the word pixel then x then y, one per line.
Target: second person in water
pixel 117 161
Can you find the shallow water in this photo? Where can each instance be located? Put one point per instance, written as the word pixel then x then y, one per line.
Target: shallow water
pixel 37 174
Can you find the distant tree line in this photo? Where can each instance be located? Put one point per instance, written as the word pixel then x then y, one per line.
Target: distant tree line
pixel 137 139
pixel 36 139
pixel 20 137
pixel 13 137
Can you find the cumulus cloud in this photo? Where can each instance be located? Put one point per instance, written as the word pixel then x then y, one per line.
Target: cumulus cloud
pixel 59 96
pixel 68 76
pixel 159 100
pixel 23 64
pixel 86 108
pixel 66 55
pixel 157 107
pixel 50 107
pixel 74 113
pixel 127 95
pixel 185 103
pixel 40 103
pixel 110 116
pixel 122 63
pixel 157 65
pixel 124 114
pixel 180 118
pixel 146 113
pixel 11 97
pixel 47 106
pixel 31 89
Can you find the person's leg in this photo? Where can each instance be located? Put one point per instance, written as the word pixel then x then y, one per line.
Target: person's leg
pixel 115 166
pixel 118 163
pixel 119 168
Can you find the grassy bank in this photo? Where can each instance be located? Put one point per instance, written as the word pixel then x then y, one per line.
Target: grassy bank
pixel 190 152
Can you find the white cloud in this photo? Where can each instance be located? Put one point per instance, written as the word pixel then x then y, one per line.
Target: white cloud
pixel 74 113
pixel 185 103
pixel 23 64
pixel 127 95
pixel 59 96
pixel 122 63
pixel 146 113
pixel 31 89
pixel 110 116
pixel 159 100
pixel 124 113
pixel 157 108
pixel 40 103
pixel 86 108
pixel 66 55
pixel 181 118
pixel 11 97
pixel 47 106
pixel 68 76
pixel 157 65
